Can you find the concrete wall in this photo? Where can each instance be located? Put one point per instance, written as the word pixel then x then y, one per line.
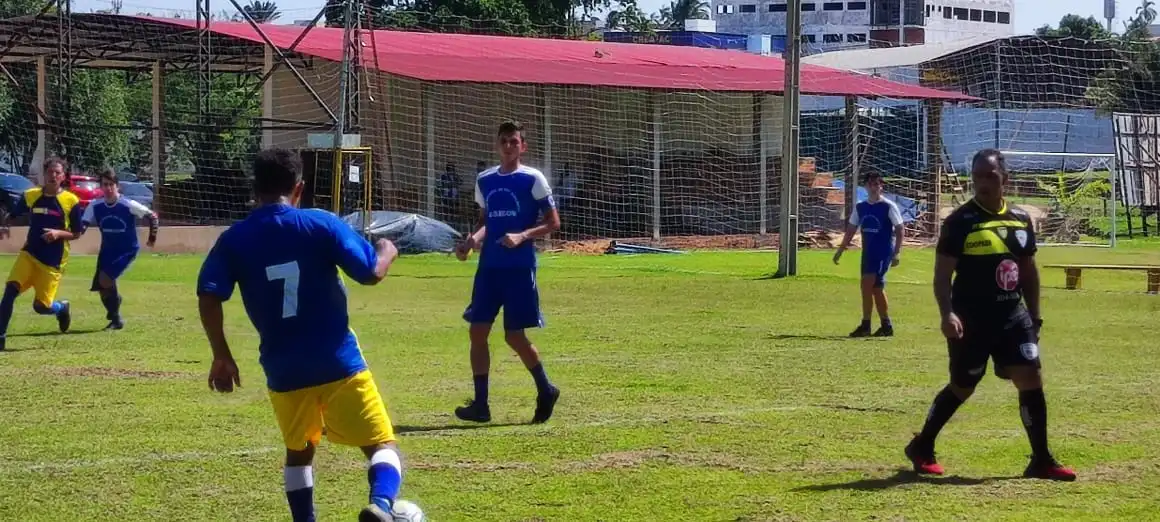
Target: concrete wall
pixel 170 240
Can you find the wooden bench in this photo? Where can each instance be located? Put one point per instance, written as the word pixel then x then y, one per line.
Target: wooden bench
pixel 1075 274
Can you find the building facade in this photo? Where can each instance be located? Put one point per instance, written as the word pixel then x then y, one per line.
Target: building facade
pixel 852 24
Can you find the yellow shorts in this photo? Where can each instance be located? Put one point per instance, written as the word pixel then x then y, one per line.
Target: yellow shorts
pixel 350 410
pixel 30 273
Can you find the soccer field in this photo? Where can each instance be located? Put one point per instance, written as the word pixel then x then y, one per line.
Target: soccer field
pixel 693 389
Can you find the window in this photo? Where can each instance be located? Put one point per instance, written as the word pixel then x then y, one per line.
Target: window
pixel 831 38
pixel 856 38
pixel 809 38
pixel 856 6
pixel 1004 17
pixel 748 8
pixel 989 16
pixel 833 6
pixel 928 11
pixel 976 15
pixel 947 13
pixel 777 8
pixel 809 7
pixel 960 13
pixel 726 9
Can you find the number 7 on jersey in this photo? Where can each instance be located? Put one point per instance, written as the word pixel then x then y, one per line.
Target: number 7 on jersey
pixel 288 274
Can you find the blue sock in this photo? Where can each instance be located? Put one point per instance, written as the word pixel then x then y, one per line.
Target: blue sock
pixel 6 304
pixel 55 309
pixel 385 476
pixel 300 492
pixel 480 389
pixel 541 378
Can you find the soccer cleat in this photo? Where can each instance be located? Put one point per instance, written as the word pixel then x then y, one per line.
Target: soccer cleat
pixel 922 458
pixel 64 317
pixel 3 342
pixel 1048 469
pixel 885 331
pixel 375 513
pixel 545 403
pixel 863 330
pixel 474 412
pixel 115 324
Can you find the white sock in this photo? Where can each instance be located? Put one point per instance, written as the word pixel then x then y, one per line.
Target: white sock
pixel 386 456
pixel 298 477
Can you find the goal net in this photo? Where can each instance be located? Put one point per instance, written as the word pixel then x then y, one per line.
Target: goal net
pixel 662 141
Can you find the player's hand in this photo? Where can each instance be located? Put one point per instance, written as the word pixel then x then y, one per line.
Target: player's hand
pixel 513 240
pixel 223 375
pixel 895 261
pixel 462 250
pixel 387 249
pixel 150 243
pixel 952 327
pixel 50 235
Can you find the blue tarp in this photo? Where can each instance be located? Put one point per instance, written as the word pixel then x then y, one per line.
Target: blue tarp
pixel 411 233
pixel 909 208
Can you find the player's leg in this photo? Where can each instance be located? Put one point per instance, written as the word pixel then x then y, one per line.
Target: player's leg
pixel 1018 360
pixel 522 311
pixel 880 301
pixel 968 364
pixel 105 282
pixel 19 280
pixel 486 300
pixel 46 281
pixel 355 415
pixel 300 421
pixel 866 288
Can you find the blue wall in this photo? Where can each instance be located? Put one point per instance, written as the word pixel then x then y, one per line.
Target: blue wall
pixel 685 38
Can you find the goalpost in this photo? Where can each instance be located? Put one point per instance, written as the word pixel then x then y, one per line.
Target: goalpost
pixel 1070 206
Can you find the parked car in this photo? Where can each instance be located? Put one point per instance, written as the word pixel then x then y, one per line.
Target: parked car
pixel 87 188
pixel 12 186
pixel 138 192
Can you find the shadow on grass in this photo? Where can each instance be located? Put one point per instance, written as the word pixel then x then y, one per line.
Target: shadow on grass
pixel 51 333
pixel 901 477
pixel 807 337
pixel 456 427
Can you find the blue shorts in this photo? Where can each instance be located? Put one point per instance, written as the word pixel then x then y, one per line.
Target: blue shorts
pixel 113 265
pixel 877 267
pixel 514 290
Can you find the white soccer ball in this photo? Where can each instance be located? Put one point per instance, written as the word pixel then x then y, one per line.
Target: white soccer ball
pixel 407 511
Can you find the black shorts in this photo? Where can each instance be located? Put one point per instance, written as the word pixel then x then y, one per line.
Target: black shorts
pixel 1010 342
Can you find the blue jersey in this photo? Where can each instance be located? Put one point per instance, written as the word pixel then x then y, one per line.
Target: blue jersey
pixel 286 262
pixel 877 221
pixel 118 224
pixel 512 202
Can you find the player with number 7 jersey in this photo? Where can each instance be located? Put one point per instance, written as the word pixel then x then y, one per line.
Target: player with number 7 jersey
pixel 286 262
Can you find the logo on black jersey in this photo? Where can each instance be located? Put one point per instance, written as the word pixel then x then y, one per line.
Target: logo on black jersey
pixel 1007 275
pixel 1003 232
pixel 1021 237
pixel 979 243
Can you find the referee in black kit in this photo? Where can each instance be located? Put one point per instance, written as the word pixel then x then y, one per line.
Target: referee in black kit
pixel 990 311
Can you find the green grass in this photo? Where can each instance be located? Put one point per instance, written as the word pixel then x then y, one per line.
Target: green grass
pixel 693 390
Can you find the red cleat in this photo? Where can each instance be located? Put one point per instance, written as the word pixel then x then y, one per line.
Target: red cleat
pixel 922 457
pixel 1048 469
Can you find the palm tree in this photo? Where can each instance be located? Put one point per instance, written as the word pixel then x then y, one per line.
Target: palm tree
pixel 262 11
pixel 629 18
pixel 674 16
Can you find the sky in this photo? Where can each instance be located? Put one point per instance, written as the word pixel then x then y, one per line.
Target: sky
pixel 1028 16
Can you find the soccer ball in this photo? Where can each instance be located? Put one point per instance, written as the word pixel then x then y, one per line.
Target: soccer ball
pixel 407 511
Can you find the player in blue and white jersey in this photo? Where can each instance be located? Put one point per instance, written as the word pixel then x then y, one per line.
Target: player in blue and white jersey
pixel 286 262
pixel 881 225
pixel 117 217
pixel 511 197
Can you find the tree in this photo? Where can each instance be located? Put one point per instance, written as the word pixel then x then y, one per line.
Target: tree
pixel 674 15
pixel 262 11
pixel 1077 27
pixel 630 18
pixel 1131 83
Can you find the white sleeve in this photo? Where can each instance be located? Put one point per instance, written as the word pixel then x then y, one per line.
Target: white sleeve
pixel 137 208
pixel 895 215
pixel 88 216
pixel 479 196
pixel 540 188
pixel 853 221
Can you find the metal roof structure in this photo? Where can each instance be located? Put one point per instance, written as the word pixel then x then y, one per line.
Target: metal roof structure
pixel 887 57
pixel 130 42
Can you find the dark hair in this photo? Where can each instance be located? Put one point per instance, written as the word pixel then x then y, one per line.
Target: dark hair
pixel 986 154
pixel 276 172
pixel 508 128
pixel 109 174
pixel 870 176
pixel 50 162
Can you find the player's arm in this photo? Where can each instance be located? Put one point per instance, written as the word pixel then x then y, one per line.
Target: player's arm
pixel 899 233
pixel 20 209
pixel 947 253
pixel 76 226
pixel 143 212
pixel 215 285
pixel 851 229
pixel 542 193
pixel 365 264
pixel 1029 275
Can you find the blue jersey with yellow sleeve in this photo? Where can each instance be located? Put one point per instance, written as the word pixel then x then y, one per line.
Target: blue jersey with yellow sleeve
pixel 61 211
pixel 286 262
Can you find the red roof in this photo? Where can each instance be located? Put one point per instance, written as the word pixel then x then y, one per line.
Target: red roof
pixel 500 59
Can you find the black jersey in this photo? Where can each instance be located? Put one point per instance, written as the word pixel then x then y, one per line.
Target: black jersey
pixel 988 246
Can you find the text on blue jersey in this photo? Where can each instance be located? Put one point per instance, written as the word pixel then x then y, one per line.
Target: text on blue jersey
pixel 512 202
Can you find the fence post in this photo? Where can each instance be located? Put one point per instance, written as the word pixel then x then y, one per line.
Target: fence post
pixel 934 162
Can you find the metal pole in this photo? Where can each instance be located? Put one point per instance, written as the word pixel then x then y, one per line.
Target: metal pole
pixel 788 229
pixel 762 164
pixel 1113 181
pixel 656 164
pixel 901 23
